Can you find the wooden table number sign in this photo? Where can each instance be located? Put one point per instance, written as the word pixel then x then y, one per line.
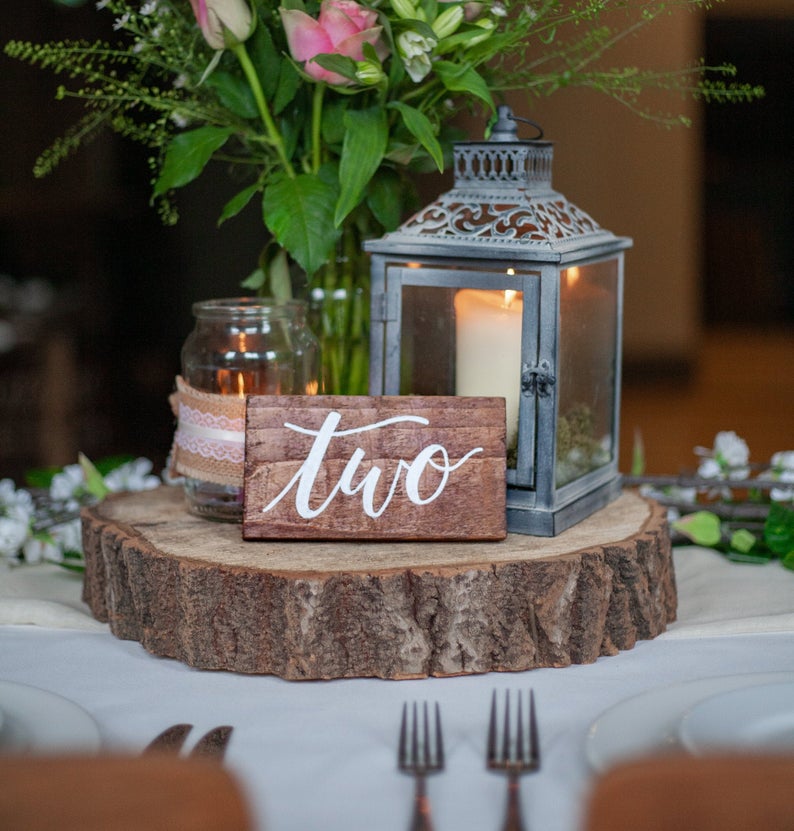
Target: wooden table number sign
pixel 377 468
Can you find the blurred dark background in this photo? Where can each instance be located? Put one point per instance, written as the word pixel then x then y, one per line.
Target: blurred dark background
pixel 94 361
pixel 95 292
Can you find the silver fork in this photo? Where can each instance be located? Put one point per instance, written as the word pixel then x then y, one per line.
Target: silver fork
pixel 420 752
pixel 519 754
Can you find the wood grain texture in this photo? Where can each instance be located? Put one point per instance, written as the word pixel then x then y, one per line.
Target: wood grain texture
pixel 194 590
pixel 460 488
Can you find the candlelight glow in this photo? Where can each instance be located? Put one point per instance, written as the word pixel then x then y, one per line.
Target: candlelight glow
pixel 231 383
pixel 312 388
pixel 572 276
pixel 510 296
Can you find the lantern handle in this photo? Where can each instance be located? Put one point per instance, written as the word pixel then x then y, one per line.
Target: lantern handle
pixel 504 128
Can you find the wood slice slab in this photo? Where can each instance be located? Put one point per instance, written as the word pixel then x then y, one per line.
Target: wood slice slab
pixel 193 590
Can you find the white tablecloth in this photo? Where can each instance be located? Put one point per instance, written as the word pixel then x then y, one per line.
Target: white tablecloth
pixel 322 754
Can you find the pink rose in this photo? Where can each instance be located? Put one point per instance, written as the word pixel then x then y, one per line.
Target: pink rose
pixel 342 28
pixel 223 22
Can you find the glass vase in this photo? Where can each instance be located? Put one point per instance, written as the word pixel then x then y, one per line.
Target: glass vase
pixel 339 312
pixel 239 346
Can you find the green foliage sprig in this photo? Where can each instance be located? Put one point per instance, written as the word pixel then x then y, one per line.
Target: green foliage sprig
pixel 41 523
pixel 758 543
pixel 743 510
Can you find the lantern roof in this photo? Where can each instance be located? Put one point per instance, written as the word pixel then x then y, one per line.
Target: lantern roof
pixel 502 204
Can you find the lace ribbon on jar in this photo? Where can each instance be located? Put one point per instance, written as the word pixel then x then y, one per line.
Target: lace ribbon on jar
pixel 209 442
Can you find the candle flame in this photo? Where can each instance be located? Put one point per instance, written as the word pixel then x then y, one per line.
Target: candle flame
pixel 572 276
pixel 231 383
pixel 510 296
pixel 312 388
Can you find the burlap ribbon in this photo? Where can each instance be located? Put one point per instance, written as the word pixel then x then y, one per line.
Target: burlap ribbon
pixel 209 442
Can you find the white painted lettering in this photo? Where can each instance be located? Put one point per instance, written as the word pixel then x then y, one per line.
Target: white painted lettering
pixel 305 477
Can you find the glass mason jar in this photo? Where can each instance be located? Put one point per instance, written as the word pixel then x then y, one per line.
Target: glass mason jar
pixel 240 346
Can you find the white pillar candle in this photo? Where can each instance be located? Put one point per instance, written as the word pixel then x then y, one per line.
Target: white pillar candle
pixel 488 349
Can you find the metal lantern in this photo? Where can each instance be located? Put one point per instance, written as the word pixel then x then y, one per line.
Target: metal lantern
pixel 502 287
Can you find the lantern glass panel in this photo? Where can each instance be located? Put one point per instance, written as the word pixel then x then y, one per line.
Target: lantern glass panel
pixel 588 369
pixel 464 337
pixel 427 341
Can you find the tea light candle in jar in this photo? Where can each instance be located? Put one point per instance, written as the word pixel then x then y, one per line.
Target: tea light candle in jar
pixel 239 346
pixel 488 348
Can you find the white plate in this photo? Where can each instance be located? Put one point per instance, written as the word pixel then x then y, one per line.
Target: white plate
pixel 39 721
pixel 759 718
pixel 648 723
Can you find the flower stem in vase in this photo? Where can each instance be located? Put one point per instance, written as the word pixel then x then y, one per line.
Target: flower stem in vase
pixel 339 310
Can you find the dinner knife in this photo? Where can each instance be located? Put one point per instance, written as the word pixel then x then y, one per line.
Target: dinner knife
pixel 212 745
pixel 170 740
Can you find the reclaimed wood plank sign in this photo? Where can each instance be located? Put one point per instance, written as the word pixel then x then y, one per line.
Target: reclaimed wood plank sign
pixel 378 468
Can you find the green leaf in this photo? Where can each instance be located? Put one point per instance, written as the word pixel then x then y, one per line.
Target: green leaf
pixel 401 153
pixel 702 527
pixel 761 558
pixel 41 477
pixel 255 281
pixel 340 64
pixel 72 554
pixel 265 58
pixel 385 197
pixel 94 482
pixel 420 27
pixel 289 81
pixel 108 463
pixel 211 66
pixel 742 540
pixel 300 214
pixel 458 78
pixel 187 155
pixel 234 93
pixel 460 38
pixel 78 567
pixel 275 267
pixel 419 126
pixel 278 77
pixel 779 529
pixel 430 8
pixel 237 203
pixel 333 121
pixel 366 138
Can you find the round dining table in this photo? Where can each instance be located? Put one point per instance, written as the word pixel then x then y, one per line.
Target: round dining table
pixel 323 754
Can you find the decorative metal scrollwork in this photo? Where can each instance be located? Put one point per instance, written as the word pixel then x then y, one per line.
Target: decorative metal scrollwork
pixel 501 221
pixel 538 380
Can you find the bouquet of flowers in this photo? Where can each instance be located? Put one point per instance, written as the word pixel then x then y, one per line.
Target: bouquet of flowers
pixel 323 110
